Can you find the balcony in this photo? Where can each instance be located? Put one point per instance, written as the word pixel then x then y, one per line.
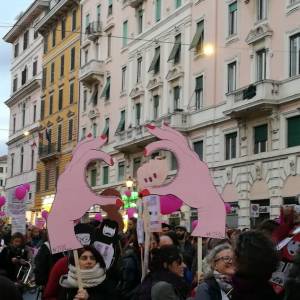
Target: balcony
pixel 48 152
pixel 91 72
pixel 135 3
pixel 94 30
pixel 258 98
pixel 135 139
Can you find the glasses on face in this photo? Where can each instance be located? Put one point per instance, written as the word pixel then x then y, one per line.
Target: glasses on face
pixel 226 259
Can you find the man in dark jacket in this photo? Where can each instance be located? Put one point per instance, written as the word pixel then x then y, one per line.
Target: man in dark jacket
pixel 9 290
pixel 185 246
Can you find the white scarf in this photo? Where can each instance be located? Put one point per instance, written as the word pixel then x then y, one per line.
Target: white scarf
pixel 90 278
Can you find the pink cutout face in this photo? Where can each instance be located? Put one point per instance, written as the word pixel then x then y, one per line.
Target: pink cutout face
pixel 152 173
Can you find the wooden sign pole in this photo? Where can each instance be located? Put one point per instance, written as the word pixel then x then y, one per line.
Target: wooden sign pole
pixel 79 279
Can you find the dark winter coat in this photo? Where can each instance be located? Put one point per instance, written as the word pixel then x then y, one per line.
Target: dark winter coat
pixel 179 287
pixel 8 290
pixel 130 273
pixel 6 264
pixel 209 290
pixel 252 289
pixel 44 262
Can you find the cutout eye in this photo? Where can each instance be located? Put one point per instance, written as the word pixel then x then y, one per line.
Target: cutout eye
pixel 154 175
pixel 150 179
pixel 146 180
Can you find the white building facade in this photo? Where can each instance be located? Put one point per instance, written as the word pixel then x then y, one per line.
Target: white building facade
pixel 3 174
pixel 24 102
pixel 237 100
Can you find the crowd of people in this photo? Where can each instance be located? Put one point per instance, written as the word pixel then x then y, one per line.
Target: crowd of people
pixel 239 267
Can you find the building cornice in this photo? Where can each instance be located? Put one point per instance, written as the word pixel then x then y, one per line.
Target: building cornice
pixel 20 134
pixel 58 9
pixel 24 91
pixel 33 11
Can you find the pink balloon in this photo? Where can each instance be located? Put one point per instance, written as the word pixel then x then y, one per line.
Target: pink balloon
pixel 194 224
pixel 98 217
pixel 2 200
pixel 169 204
pixel 128 193
pixel 26 186
pixel 45 214
pixel 20 192
pixel 2 214
pixel 227 208
pixel 130 212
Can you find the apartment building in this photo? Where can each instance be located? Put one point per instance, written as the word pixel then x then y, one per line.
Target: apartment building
pixel 60 28
pixel 24 101
pixel 225 73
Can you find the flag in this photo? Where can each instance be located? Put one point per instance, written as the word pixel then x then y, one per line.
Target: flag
pixel 48 136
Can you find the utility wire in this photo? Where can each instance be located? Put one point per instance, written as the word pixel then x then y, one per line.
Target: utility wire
pixel 143 39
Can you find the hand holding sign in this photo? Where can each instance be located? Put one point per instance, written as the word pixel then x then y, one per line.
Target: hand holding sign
pixel 74 197
pixel 192 184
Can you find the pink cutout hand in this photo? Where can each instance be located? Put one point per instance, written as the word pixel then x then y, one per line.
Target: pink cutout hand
pixel 192 184
pixel 73 196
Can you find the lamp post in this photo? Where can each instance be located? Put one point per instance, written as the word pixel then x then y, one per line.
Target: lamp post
pixel 129 183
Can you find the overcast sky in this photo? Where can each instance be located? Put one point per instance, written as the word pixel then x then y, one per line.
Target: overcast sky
pixel 8 12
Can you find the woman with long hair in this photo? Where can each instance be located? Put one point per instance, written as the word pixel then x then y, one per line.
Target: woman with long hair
pixel 165 280
pixel 93 276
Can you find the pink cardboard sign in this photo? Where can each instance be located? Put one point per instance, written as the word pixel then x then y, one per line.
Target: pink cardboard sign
pixel 192 184
pixel 74 197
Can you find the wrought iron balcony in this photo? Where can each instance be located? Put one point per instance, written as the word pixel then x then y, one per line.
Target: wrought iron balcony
pixel 48 152
pixel 94 30
pixel 259 97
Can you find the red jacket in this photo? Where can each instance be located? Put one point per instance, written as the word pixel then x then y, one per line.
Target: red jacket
pixel 52 289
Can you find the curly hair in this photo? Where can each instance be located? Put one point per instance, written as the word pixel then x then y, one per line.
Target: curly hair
pixel 209 260
pixel 255 255
pixel 97 255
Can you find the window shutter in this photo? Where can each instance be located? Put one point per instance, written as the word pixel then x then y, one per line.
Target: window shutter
pixel 261 133
pixel 106 128
pixel 294 131
pixel 93 177
pixel 199 83
pixel 233 7
pixel 105 175
pixel 198 148
pixel 176 48
pixel 155 59
pixel 106 88
pixel 198 35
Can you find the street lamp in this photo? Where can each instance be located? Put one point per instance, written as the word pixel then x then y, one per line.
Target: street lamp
pixel 129 183
pixel 26 133
pixel 208 49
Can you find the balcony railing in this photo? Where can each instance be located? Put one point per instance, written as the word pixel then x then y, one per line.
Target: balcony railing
pixel 91 72
pixel 94 30
pixel 50 151
pixel 261 95
pixel 135 138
